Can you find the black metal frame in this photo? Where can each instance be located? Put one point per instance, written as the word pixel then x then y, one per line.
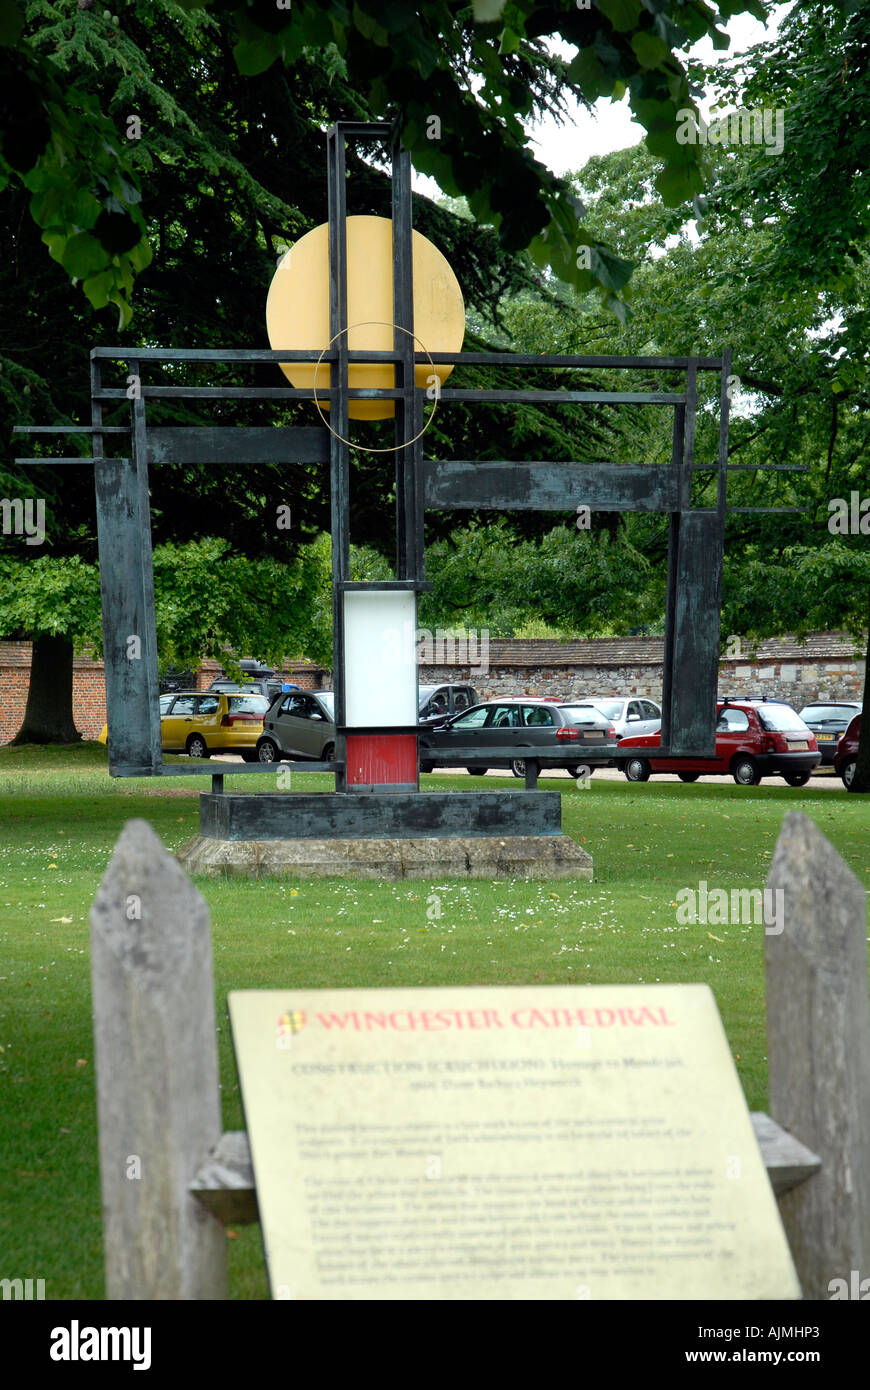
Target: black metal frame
pixel 123 513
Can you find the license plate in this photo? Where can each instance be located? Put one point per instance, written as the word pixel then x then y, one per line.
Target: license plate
pixel 797 746
pixel 595 737
pixel 825 738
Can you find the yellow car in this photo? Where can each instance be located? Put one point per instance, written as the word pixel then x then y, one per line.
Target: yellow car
pixel 201 722
pixel 165 702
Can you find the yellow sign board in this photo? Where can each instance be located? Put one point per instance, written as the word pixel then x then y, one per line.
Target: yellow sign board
pixel 504 1143
pixel 297 309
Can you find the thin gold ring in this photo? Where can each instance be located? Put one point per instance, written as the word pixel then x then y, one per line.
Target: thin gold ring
pixel 381 323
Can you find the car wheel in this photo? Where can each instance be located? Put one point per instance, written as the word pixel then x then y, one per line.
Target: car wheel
pixel 328 753
pixel 688 776
pixel 744 770
pixel 478 771
pixel 848 774
pixel 518 767
pixel 638 770
pixel 196 747
pixel 268 751
pixel 579 770
pixel 796 779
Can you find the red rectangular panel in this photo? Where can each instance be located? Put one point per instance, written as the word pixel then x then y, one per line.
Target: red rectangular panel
pixel 381 759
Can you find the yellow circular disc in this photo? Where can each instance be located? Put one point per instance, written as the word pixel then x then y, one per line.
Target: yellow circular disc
pixel 297 309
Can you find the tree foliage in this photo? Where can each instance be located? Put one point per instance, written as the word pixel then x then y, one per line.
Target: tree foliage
pixel 475 71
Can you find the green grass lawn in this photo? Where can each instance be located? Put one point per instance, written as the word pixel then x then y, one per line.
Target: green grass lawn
pixel 61 815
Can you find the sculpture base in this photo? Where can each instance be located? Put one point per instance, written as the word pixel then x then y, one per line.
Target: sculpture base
pixel 477 856
pixel 358 815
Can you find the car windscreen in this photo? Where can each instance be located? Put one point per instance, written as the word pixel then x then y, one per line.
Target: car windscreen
pixel 248 704
pixel 781 718
pixel 583 714
pixel 828 714
pixel 327 700
pixel 611 709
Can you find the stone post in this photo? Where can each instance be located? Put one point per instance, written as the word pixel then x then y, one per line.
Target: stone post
pixel 818 1025
pixel 158 1097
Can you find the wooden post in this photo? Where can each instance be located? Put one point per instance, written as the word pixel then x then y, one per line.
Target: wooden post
pixel 818 1025
pixel 158 1097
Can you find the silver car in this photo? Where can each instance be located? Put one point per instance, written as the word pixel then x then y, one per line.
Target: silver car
pixel 629 715
pixel 301 724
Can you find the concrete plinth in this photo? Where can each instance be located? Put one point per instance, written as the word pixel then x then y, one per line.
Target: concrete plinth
pixel 478 856
pixel 356 815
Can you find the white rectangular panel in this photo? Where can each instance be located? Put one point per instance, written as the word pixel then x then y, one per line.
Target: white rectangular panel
pixel 380 657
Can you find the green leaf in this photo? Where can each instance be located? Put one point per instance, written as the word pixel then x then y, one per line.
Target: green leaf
pixel 509 42
pixel 397 16
pixel 487 11
pixel 99 287
pixel 623 14
pixel 617 307
pixel 369 27
pixel 85 210
pixel 254 56
pixel 140 257
pixel 609 269
pixel 125 311
pixel 679 184
pixel 55 240
pixel 83 255
pixel 649 49
pixel 46 203
pixel 586 71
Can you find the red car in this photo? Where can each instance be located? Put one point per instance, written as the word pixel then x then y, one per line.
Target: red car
pixel 754 738
pixel 847 753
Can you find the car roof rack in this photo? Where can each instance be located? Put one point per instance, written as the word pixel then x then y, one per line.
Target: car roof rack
pixel 755 700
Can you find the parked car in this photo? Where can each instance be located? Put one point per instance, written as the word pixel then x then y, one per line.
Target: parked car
pixel 299 724
pixel 629 716
pixel 165 702
pixel 829 720
pixel 438 702
pixel 593 725
pixel 527 726
pixel 847 753
pixel 204 722
pixel 754 739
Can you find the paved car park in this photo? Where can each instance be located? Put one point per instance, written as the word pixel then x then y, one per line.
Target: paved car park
pixel 823 779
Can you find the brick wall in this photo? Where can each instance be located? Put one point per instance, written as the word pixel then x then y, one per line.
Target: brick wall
pixel 826 667
pixel 14 681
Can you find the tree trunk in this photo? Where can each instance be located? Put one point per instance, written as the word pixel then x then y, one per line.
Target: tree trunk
pixel 862 765
pixel 48 717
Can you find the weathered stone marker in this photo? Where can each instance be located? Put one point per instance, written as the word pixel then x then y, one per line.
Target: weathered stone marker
pixel 819 1052
pixel 158 1098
